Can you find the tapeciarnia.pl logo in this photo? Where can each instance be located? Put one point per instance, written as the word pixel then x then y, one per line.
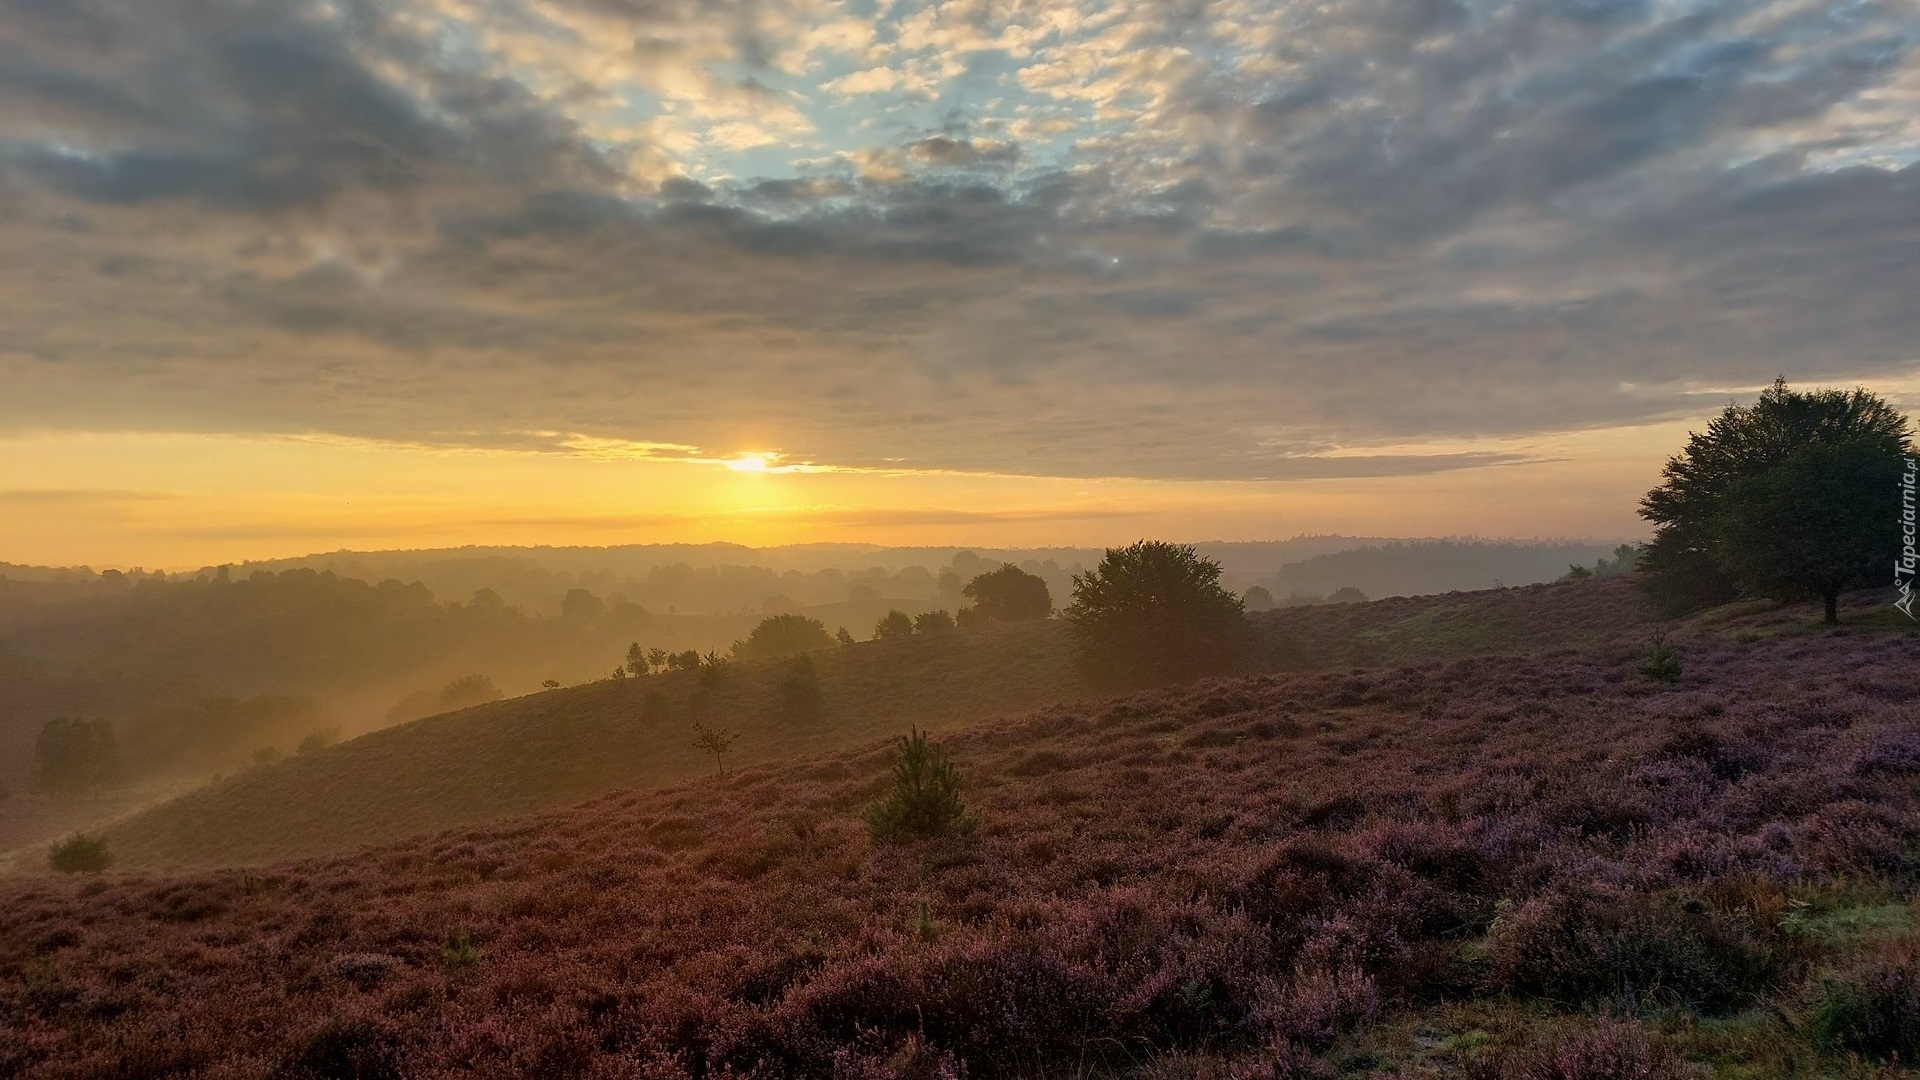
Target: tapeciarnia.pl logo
pixel 1904 567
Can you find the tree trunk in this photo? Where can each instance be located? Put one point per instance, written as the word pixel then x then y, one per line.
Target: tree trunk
pixel 1832 598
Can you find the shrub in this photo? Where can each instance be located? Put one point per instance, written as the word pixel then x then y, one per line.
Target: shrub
pixel 1872 1005
pixel 1605 1049
pixel 932 622
pixel 81 853
pixel 1659 661
pixel 924 800
pixel 1632 950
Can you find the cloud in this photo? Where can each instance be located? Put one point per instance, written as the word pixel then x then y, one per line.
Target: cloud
pixel 1211 241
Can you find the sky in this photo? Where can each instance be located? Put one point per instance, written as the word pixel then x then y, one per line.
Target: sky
pixel 297 275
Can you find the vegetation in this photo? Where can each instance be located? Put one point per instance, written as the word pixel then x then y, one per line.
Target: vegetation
pixel 1659 661
pixel 783 635
pixel 894 624
pixel 1155 612
pixel 923 800
pixel 1793 495
pixel 1516 868
pixel 715 741
pixel 799 691
pixel 80 853
pixel 1008 594
pixel 932 622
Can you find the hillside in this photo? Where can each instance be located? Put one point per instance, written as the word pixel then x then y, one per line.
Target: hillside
pixel 1453 868
pixel 560 747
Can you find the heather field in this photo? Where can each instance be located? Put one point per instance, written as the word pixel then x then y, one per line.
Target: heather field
pixel 1544 867
pixel 560 747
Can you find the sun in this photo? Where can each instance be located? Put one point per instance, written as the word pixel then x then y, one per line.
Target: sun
pixel 755 463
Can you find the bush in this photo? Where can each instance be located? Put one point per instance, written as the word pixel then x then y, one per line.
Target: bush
pixel 1872 1006
pixel 932 622
pixel 81 853
pixel 1605 1049
pixel 1631 950
pixel 1659 661
pixel 895 623
pixel 925 798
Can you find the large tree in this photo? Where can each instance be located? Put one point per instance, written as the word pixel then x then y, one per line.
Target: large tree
pixel 1009 594
pixel 1690 563
pixel 1154 612
pixel 783 635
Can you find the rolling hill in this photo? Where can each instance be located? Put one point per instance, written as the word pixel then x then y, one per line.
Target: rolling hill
pixel 1512 866
pixel 562 746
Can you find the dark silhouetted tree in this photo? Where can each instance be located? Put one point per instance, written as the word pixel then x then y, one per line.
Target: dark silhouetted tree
pixel 1685 566
pixel 581 606
pixel 636 664
pixel 72 757
pixel 1824 519
pixel 932 622
pixel 783 635
pixel 844 637
pixel 1009 594
pixel 1155 612
pixel 893 624
pixel 1258 599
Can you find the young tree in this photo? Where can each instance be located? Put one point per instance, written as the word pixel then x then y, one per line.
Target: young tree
pixel 783 635
pixel 1684 565
pixel 924 800
pixel 844 637
pixel 895 623
pixel 715 741
pixel 1009 594
pixel 657 659
pixel 636 664
pixel 1155 612
pixel 1822 520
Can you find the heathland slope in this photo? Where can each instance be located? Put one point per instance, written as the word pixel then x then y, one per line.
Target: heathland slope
pixel 1441 869
pixel 560 747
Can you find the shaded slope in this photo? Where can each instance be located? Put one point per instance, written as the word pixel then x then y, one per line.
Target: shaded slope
pixel 559 747
pixel 562 746
pixel 1359 867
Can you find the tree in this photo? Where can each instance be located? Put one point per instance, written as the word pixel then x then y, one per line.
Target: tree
pixel 468 690
pixel 73 756
pixel 1822 520
pixel 1156 612
pixel 657 658
pixel 581 606
pixel 932 622
pixel 715 741
pixel 895 623
pixel 1258 599
pixel 1346 594
pixel 1009 594
pixel 636 664
pixel 1684 566
pixel 844 637
pixel 924 800
pixel 783 635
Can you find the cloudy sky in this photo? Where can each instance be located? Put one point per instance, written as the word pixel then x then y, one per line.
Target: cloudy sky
pixel 300 274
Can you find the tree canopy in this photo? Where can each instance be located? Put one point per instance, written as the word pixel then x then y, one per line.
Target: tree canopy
pixel 1156 612
pixel 1009 594
pixel 783 635
pixel 1751 504
pixel 75 756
